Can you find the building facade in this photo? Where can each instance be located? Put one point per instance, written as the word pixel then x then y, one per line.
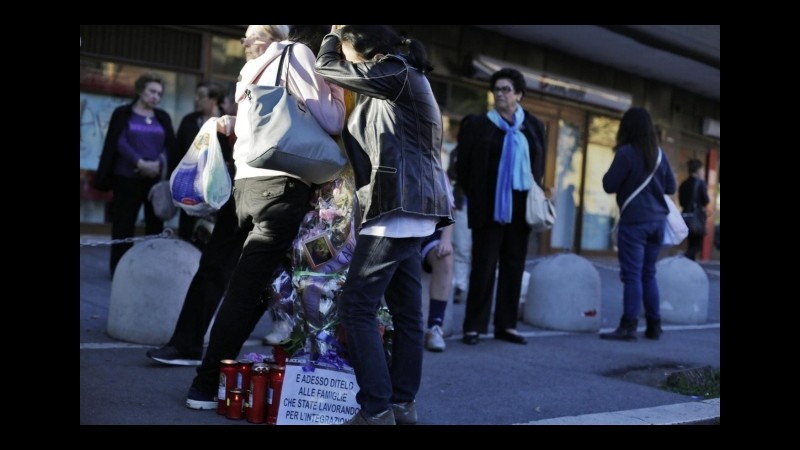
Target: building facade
pixel 581 103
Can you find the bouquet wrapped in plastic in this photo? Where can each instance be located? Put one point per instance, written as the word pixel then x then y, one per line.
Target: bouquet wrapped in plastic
pixel 320 255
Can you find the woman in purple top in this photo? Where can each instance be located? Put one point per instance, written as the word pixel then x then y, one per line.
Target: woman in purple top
pixel 139 141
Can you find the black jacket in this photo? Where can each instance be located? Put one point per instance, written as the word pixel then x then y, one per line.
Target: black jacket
pixel 480 144
pixel 120 119
pixel 693 192
pixel 394 134
pixel 188 130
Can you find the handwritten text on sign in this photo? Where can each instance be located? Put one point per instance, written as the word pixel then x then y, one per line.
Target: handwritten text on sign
pixel 324 396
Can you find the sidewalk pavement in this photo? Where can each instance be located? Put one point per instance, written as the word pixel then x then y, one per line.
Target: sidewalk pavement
pixel 559 378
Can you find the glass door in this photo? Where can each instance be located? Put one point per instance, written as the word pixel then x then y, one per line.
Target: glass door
pixel 599 208
pixel 563 178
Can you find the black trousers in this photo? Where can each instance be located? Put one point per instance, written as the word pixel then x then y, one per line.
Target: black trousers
pixel 209 283
pixel 129 195
pixel 186 226
pixel 273 207
pixel 503 247
pixel 695 244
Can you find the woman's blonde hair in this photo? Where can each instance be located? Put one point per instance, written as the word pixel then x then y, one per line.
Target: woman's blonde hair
pixel 276 32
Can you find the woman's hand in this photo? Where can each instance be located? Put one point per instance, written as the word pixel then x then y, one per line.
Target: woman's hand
pixel 225 124
pixel 445 248
pixel 148 169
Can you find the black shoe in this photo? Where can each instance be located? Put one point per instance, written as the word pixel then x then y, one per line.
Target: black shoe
pixel 170 355
pixel 457 295
pixel 471 339
pixel 626 331
pixel 510 337
pixel 196 399
pixel 405 413
pixel 653 330
pixel 384 418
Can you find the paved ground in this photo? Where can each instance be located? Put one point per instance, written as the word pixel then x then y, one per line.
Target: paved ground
pixel 559 378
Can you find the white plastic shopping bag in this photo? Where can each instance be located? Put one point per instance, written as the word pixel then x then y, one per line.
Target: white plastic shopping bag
pixel 675 229
pixel 201 183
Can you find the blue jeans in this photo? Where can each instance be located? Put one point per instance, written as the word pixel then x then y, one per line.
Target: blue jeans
pixel 388 267
pixel 639 244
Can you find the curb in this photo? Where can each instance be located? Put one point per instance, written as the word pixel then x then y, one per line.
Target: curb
pixel 705 412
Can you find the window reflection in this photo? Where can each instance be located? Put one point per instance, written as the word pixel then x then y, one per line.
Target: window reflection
pixel 568 184
pixel 599 208
pixel 227 56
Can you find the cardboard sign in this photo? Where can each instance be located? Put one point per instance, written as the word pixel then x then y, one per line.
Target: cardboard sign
pixel 326 396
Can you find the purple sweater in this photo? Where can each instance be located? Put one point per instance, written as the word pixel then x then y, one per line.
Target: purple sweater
pixel 139 140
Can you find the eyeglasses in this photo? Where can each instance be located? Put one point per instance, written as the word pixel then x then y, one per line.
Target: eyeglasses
pixel 503 89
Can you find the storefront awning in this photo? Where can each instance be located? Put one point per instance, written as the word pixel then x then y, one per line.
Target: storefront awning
pixel 558 86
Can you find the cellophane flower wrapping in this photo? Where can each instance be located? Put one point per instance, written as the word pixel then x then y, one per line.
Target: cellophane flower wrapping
pixel 320 256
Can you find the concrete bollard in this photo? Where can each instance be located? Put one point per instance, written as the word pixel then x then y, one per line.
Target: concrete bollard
pixel 564 294
pixel 523 294
pixel 148 290
pixel 448 326
pixel 683 289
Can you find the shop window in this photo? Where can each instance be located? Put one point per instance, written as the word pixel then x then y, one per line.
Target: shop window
pixel 599 208
pixel 227 57
pixel 569 161
pixel 466 100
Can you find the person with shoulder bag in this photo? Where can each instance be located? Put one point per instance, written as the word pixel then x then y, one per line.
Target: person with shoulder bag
pixel 269 203
pixel 500 164
pixel 140 139
pixel 693 198
pixel 640 172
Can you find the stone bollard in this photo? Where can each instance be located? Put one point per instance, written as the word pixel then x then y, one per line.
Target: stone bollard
pixel 448 326
pixel 523 293
pixel 564 294
pixel 683 289
pixel 148 290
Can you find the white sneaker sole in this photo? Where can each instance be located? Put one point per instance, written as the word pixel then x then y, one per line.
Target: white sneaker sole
pixel 178 362
pixel 199 404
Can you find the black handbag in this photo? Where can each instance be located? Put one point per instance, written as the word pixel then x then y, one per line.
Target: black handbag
pixel 286 137
pixel 695 218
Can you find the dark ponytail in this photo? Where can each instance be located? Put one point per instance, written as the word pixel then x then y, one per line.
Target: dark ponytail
pixel 417 55
pixel 369 40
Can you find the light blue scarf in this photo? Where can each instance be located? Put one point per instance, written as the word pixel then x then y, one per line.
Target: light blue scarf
pixel 515 164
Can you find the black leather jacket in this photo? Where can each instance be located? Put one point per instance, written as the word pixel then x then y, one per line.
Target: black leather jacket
pixel 393 136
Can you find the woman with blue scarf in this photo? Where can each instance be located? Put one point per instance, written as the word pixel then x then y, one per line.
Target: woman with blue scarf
pixel 497 154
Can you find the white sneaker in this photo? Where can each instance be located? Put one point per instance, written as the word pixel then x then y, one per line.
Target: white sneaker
pixel 434 339
pixel 280 332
